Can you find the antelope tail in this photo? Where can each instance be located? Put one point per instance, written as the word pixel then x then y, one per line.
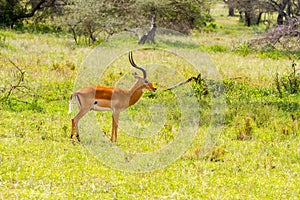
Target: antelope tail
pixel 70 104
pixel 77 99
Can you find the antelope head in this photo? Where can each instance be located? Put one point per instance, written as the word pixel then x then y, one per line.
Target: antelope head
pixel 142 82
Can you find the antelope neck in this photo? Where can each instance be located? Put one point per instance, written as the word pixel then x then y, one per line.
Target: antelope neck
pixel 135 94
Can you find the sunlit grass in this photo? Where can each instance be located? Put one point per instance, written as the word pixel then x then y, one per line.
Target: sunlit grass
pixel 38 161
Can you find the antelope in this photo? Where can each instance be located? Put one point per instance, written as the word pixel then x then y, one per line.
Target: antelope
pixel 99 98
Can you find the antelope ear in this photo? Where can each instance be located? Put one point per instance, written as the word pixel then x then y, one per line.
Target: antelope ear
pixel 135 75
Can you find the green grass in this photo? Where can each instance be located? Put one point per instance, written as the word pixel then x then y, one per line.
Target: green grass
pixel 38 161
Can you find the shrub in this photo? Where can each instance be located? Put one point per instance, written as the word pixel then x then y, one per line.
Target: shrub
pixel 288 83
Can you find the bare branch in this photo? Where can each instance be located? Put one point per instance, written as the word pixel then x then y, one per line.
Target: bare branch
pixel 134 32
pixel 276 35
pixel 18 84
pixel 197 79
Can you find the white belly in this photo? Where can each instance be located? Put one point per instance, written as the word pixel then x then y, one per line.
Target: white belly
pixel 98 108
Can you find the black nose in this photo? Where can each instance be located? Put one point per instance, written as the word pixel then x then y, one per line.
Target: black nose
pixel 154 90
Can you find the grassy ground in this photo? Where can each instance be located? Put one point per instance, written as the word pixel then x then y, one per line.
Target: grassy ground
pixel 256 156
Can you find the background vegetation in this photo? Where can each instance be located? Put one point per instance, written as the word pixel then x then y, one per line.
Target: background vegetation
pixel 256 156
pixel 96 20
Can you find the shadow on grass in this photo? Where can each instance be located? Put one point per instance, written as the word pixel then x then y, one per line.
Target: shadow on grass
pixel 17 105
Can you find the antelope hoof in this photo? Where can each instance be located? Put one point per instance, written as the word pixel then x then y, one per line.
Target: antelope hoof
pixel 78 138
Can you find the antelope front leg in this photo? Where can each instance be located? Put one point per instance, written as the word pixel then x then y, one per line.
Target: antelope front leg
pixel 115 120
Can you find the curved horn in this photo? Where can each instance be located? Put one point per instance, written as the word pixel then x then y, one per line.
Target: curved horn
pixel 135 66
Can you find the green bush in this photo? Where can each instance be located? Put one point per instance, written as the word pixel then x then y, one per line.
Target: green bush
pixel 288 83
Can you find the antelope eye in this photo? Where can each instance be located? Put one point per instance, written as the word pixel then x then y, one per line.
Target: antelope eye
pixel 146 81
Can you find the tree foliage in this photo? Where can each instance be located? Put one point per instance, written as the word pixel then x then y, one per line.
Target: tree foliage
pixel 180 15
pixel 252 10
pixel 14 11
pixel 286 9
pixel 90 18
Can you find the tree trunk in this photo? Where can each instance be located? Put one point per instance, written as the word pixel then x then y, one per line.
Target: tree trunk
pixel 248 18
pixel 231 11
pixel 280 18
pixel 230 4
pixel 150 35
pixel 74 34
pixel 258 18
pixel 281 13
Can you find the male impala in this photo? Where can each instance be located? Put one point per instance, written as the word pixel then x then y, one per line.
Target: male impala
pixel 100 98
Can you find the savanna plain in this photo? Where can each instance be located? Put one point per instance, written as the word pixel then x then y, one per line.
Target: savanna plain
pixel 255 156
